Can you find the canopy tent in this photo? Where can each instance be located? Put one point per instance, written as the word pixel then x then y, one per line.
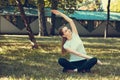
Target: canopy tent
pixel 79 15
pixel 94 15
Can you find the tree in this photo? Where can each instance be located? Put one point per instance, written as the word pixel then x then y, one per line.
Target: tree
pixel 30 33
pixel 115 5
pixel 108 18
pixel 26 3
pixel 53 17
pixel 41 18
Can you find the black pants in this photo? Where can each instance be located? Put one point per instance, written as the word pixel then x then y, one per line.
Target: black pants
pixel 82 65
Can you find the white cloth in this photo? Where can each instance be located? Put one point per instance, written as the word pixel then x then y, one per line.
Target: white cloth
pixel 75 44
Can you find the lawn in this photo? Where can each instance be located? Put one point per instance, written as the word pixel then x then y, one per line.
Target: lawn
pixel 19 62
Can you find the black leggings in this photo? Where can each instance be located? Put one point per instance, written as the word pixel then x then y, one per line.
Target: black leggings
pixel 81 65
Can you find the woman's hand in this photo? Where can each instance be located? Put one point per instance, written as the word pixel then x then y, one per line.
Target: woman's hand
pixel 104 63
pixel 56 12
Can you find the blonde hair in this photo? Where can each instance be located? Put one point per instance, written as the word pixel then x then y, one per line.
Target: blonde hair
pixel 63 39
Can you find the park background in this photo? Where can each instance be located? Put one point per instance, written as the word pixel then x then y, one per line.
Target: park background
pixel 30 23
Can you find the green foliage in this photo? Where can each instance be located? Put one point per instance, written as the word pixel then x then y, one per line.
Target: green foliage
pixel 9 2
pixel 115 6
pixel 19 62
pixel 69 5
pixel 47 3
pixel 13 2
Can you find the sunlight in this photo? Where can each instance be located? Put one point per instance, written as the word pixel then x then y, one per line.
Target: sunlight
pixel 19 61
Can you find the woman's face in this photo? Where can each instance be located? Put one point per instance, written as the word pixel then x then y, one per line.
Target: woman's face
pixel 66 31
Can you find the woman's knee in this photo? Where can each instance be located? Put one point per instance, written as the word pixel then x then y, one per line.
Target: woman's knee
pixel 61 60
pixel 94 59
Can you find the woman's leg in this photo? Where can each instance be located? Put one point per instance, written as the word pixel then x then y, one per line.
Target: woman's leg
pixel 88 65
pixel 79 64
pixel 66 64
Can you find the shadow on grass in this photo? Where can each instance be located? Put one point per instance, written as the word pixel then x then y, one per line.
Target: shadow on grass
pixel 29 63
pixel 17 60
pixel 40 65
pixel 102 40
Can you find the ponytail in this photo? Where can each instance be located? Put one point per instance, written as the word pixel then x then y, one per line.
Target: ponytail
pixel 63 40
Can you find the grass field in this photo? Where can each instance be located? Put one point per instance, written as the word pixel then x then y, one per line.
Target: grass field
pixel 19 62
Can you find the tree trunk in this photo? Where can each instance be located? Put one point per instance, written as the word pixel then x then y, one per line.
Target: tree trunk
pixel 26 3
pixel 39 20
pixel 30 33
pixel 42 19
pixel 53 17
pixel 108 18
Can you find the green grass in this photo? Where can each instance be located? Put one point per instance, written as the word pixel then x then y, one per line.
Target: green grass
pixel 19 62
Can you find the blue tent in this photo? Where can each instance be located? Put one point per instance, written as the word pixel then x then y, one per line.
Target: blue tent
pixel 94 15
pixel 79 15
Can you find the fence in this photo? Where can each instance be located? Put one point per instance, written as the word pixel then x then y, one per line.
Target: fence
pixel 10 24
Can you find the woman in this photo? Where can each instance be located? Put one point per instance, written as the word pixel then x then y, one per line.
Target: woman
pixel 79 60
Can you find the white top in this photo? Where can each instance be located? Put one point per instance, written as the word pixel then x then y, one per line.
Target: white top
pixel 75 44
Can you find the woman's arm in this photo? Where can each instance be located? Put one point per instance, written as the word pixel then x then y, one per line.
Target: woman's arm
pixel 69 20
pixel 83 55
pixel 78 54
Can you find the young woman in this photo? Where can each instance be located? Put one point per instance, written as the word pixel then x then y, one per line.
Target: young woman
pixel 79 61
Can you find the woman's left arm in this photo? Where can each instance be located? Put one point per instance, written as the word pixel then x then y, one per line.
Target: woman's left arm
pixel 83 55
pixel 68 19
pixel 78 53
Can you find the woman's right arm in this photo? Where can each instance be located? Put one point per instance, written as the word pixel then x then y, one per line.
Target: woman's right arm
pixel 69 20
